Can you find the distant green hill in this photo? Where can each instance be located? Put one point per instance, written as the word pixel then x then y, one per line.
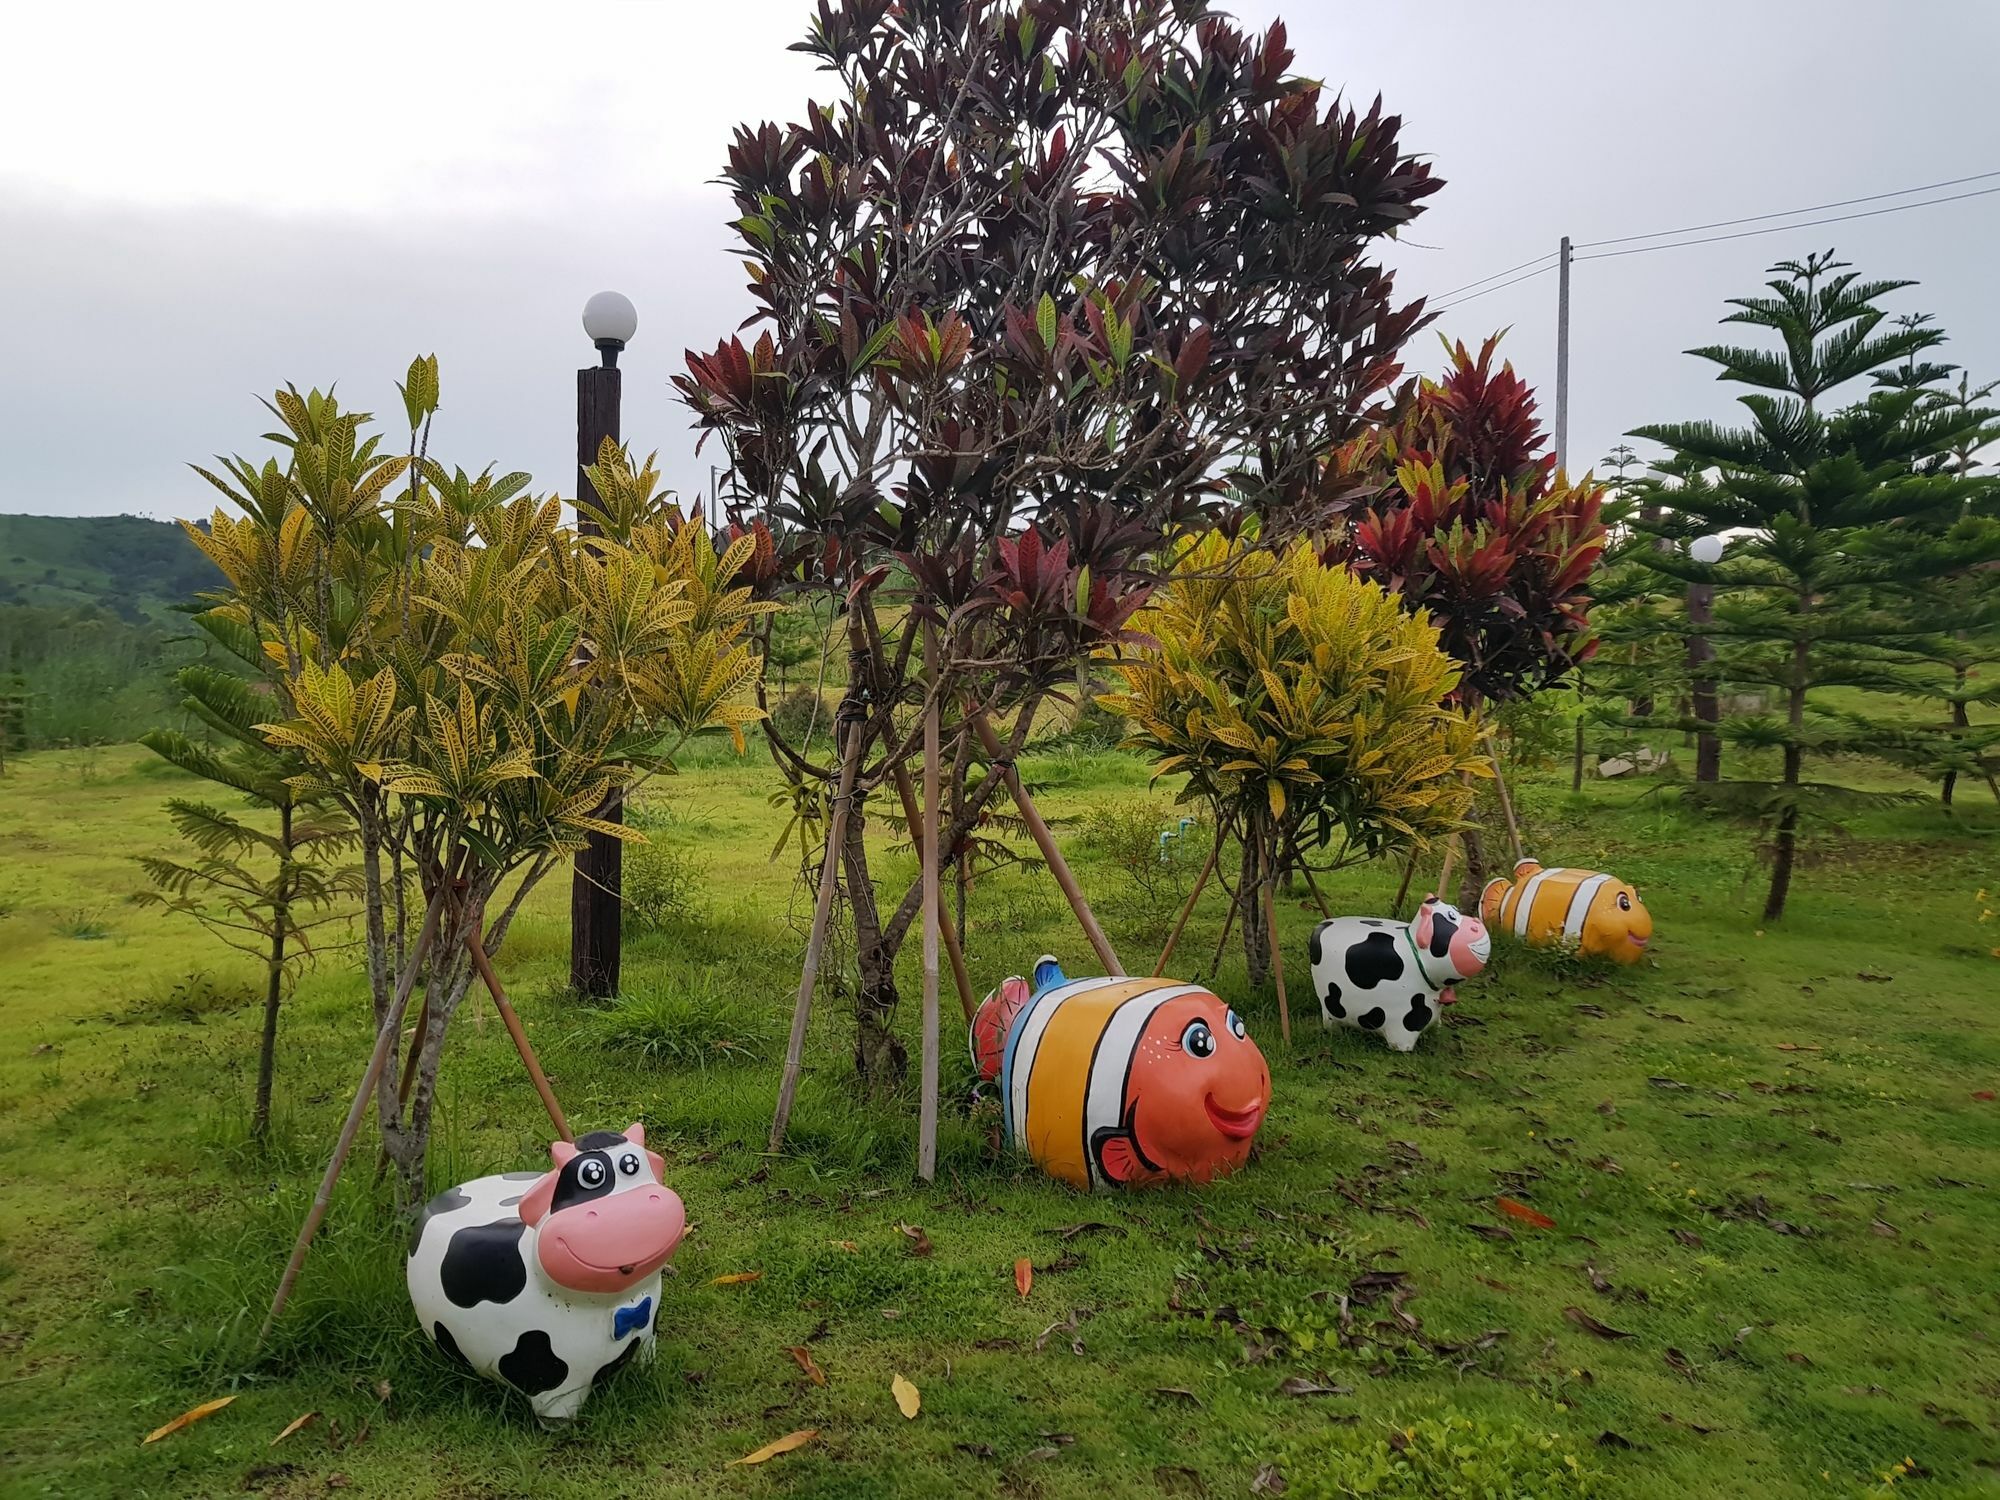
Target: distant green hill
pixel 132 568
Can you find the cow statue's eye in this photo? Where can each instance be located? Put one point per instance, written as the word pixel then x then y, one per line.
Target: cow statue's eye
pixel 1199 1040
pixel 629 1164
pixel 591 1172
pixel 1235 1024
pixel 1624 902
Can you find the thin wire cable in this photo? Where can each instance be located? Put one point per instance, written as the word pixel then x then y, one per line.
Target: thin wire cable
pixel 1545 255
pixel 1447 307
pixel 1660 234
pixel 1441 306
pixel 1744 234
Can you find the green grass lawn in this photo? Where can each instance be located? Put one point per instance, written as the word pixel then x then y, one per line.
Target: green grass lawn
pixel 1772 1157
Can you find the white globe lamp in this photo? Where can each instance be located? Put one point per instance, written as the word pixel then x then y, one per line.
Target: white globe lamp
pixel 1706 550
pixel 610 319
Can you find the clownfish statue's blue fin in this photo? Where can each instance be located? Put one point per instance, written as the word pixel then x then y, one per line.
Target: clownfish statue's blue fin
pixel 1048 973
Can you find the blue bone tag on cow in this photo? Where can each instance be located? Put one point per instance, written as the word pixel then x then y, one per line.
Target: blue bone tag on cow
pixel 632 1319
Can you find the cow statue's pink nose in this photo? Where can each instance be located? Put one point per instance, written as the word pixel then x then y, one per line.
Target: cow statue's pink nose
pixel 615 1242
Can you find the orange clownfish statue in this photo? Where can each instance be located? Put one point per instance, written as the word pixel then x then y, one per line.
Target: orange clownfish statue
pixel 1121 1082
pixel 1602 915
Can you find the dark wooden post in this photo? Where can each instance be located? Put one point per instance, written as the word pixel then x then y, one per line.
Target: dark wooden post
pixel 1708 746
pixel 596 889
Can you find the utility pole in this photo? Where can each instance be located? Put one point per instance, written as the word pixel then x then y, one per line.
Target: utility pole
pixel 1562 359
pixel 596 893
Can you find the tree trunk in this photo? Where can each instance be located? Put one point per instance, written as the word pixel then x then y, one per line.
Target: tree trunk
pixel 274 981
pixel 1959 720
pixel 1250 908
pixel 1786 850
pixel 880 1059
pixel 1473 881
pixel 406 1129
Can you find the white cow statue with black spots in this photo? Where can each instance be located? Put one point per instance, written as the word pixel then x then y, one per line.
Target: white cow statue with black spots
pixel 550 1281
pixel 1391 977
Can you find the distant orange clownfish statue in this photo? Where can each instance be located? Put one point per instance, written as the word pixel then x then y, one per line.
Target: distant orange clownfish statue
pixel 1121 1082
pixel 1602 915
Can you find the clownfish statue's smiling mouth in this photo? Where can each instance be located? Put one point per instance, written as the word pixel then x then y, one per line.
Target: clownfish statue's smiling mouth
pixel 1237 1124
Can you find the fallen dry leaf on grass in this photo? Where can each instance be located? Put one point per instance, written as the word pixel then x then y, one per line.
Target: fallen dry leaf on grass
pixel 1024 1276
pixel 773 1448
pixel 1589 1324
pixel 919 1243
pixel 802 1356
pixel 848 1245
pixel 1796 1047
pixel 1524 1213
pixel 291 1427
pixel 909 1400
pixel 186 1418
pixel 737 1278
pixel 1688 1237
pixel 1296 1385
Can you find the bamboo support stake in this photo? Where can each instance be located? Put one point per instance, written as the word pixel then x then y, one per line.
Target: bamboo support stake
pixel 947 928
pixel 1506 800
pixel 788 1090
pixel 927 1108
pixel 1187 908
pixel 1051 855
pixel 514 1029
pixel 386 1037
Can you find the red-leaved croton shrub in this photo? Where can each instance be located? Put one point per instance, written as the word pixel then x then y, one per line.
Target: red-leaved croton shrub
pixel 1039 286
pixel 1457 506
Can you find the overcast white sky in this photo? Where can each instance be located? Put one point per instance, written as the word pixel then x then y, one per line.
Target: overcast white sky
pixel 201 201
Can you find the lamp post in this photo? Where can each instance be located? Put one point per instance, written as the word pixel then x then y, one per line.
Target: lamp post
pixel 595 893
pixel 1701 612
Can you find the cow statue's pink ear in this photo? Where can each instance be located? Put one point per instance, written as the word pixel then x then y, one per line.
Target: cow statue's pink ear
pixel 636 1133
pixel 535 1202
pixel 1420 929
pixel 561 1153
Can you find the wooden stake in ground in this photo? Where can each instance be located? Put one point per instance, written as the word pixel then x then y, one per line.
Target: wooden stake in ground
pixel 947 928
pixel 1506 800
pixel 927 1108
pixel 1271 933
pixel 385 1041
pixel 1187 908
pixel 514 1029
pixel 795 1048
pixel 1051 855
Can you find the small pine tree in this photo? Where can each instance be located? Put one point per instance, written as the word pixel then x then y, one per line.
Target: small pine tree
pixel 262 891
pixel 1841 522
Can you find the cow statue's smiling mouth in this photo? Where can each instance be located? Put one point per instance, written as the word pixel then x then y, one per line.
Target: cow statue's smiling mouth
pixel 1238 1125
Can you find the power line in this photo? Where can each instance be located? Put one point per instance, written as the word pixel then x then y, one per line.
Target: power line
pixel 1659 234
pixel 1744 234
pixel 1548 255
pixel 1543 271
pixel 1440 305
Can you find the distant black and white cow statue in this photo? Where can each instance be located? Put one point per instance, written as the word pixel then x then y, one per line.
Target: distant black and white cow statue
pixel 550 1281
pixel 1390 977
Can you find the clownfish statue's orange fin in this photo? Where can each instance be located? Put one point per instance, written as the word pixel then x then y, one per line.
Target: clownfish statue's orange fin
pixel 1117 1157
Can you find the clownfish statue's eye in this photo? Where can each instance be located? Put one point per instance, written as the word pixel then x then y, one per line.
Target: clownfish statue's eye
pixel 591 1172
pixel 1235 1024
pixel 1198 1040
pixel 629 1164
pixel 1624 901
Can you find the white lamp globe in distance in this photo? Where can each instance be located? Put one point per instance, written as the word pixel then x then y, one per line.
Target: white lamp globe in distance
pixel 1706 549
pixel 610 318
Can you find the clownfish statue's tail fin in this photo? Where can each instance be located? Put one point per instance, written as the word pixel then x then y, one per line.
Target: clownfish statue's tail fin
pixel 987 1040
pixel 1048 973
pixel 1497 888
